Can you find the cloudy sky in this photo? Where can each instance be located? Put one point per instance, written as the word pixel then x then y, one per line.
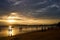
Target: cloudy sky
pixel 40 9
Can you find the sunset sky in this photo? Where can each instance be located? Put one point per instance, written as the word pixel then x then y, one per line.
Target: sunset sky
pixel 34 11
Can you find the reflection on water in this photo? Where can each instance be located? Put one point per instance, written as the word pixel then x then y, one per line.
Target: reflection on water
pixel 11 31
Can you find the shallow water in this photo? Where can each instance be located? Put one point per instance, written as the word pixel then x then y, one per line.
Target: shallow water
pixel 16 30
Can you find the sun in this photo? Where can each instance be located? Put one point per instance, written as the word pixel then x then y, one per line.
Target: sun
pixel 11 18
pixel 11 21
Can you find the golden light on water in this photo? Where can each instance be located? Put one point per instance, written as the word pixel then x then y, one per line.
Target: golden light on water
pixel 10 31
pixel 10 27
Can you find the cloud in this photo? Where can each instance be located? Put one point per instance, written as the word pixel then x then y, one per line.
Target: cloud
pixel 11 0
pixel 50 11
pixel 17 3
pixel 14 2
pixel 40 3
pixel 36 8
pixel 46 8
pixel 53 5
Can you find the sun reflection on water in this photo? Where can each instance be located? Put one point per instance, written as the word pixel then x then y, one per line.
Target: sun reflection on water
pixel 12 31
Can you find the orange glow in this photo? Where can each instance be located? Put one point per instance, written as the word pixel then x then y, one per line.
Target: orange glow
pixel 12 17
pixel 11 21
pixel 15 18
pixel 12 31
